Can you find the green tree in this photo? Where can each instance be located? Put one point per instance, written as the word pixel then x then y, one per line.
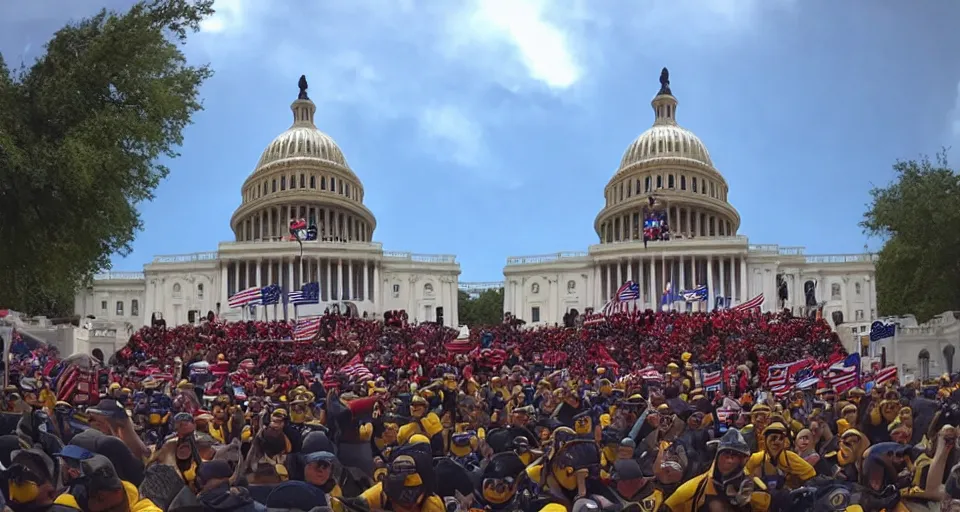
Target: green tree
pixel 82 133
pixel 486 309
pixel 918 217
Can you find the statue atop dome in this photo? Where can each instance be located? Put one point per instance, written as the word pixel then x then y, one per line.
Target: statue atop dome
pixel 665 82
pixel 303 87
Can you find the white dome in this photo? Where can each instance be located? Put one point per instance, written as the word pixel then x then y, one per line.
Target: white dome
pixel 303 141
pixel 665 141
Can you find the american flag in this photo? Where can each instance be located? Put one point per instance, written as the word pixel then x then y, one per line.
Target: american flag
pixel 845 374
pixel 306 328
pixel 650 373
pixel 255 296
pixel 244 297
pixel 711 380
pixel 307 294
pixel 355 369
pixel 629 291
pixel 755 302
pixel 885 375
pixel 781 377
pixel 268 295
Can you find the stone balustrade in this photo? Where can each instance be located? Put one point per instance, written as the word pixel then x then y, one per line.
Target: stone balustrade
pixel 419 258
pixel 186 258
pixel 842 258
pixel 118 276
pixel 545 258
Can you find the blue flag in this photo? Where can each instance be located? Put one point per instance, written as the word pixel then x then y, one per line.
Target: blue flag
pixel 270 294
pixel 880 330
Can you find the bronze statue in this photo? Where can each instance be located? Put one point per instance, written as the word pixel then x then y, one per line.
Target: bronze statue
pixel 665 82
pixel 303 87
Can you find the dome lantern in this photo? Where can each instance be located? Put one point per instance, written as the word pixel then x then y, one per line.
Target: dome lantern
pixel 664 104
pixel 303 109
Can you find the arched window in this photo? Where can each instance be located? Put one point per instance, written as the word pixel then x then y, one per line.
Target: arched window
pixel 835 291
pixel 177 292
pixel 923 361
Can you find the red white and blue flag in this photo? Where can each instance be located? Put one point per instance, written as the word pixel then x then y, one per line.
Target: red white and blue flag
pixel 753 303
pixel 306 329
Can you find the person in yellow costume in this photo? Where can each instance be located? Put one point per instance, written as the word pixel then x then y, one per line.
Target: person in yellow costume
pixel 409 483
pixel 848 456
pixel 778 467
pixel 759 419
pixel 724 486
pixel 848 418
pixel 424 423
pixel 570 471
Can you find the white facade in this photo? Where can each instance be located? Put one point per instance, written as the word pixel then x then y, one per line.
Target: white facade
pixel 301 174
pixel 920 351
pixel 672 166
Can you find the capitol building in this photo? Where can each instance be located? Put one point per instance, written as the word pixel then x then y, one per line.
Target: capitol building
pixel 668 169
pixel 302 174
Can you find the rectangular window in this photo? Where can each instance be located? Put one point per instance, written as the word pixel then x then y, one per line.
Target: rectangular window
pixel 313 182
pixel 103 305
pixel 119 308
pixel 134 307
pixel 283 182
pixel 302 178
pixel 535 314
pixel 396 290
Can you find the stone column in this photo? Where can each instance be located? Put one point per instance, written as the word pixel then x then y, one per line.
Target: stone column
pixel 652 287
pixel 619 275
pixel 290 274
pixel 744 292
pixel 224 290
pixel 366 282
pixel 259 282
pixel 629 270
pixel 340 291
pixel 710 284
pixel 329 280
pixel 376 284
pixel 723 285
pixel 351 293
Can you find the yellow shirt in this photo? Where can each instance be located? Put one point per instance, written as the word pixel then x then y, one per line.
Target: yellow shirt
pixel 789 462
pixel 692 496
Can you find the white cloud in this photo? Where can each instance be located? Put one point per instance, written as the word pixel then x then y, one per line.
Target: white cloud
pixel 451 134
pixel 231 16
pixel 544 48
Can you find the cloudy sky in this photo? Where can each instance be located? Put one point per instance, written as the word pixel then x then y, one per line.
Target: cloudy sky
pixel 488 128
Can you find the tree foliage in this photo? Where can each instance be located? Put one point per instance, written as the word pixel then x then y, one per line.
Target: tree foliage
pixel 486 309
pixel 918 217
pixel 82 132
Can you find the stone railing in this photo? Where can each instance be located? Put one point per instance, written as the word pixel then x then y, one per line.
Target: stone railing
pixel 842 258
pixel 776 249
pixel 545 258
pixel 186 258
pixel 419 258
pixel 476 286
pixel 118 276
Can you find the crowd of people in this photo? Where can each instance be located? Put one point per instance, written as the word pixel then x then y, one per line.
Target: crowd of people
pixel 646 411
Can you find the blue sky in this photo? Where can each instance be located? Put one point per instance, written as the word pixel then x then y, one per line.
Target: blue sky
pixel 488 129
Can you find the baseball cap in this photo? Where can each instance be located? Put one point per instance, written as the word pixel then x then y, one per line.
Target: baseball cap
pixel 110 408
pixel 72 451
pixel 311 458
pixel 212 469
pixel 101 475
